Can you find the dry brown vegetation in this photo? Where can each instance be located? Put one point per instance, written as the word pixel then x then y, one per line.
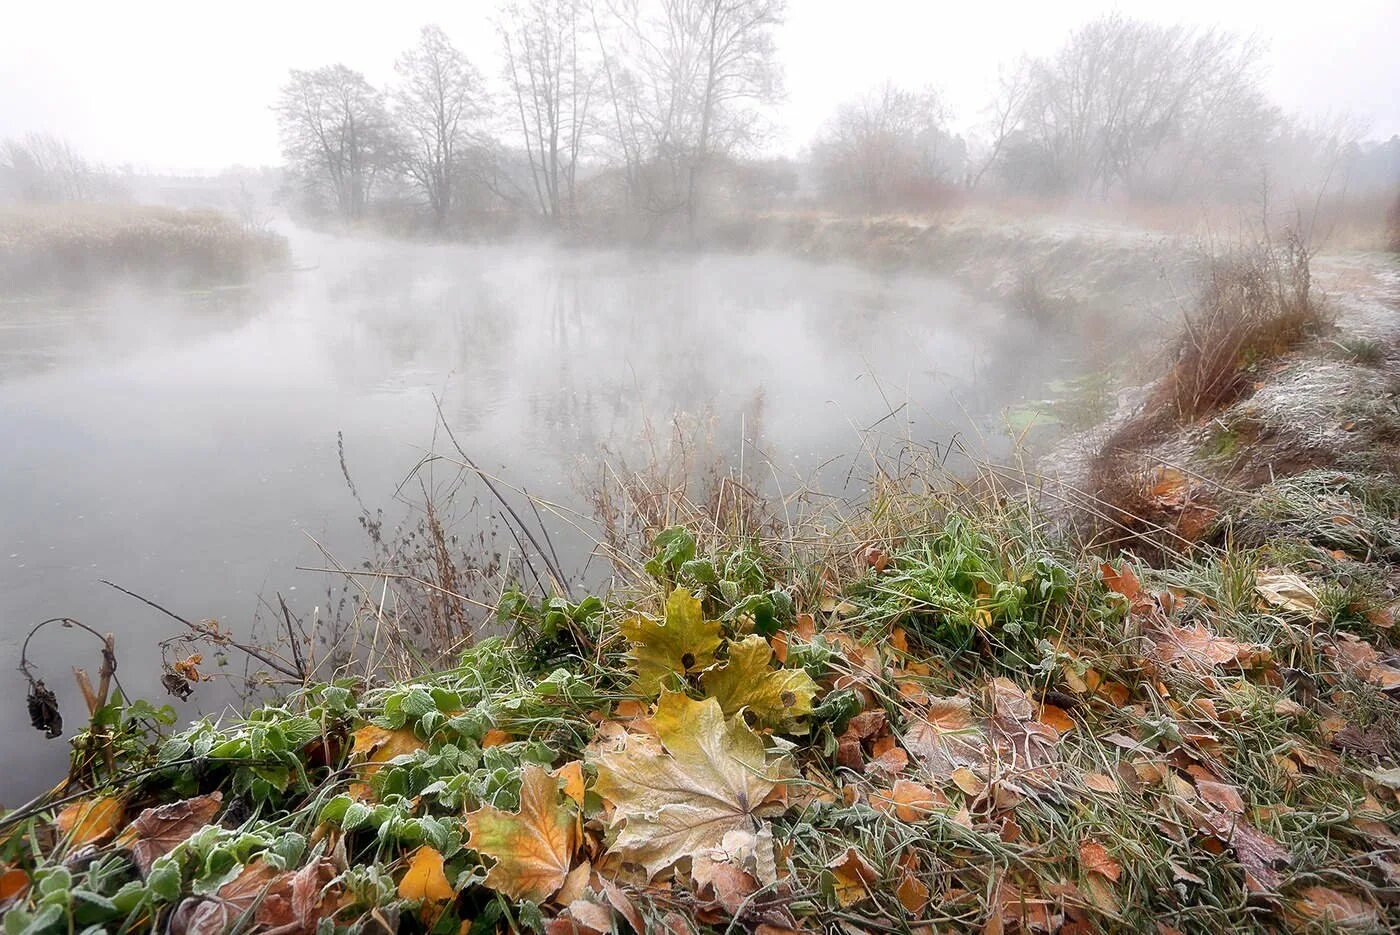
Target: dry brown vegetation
pixel 1256 304
pixel 48 247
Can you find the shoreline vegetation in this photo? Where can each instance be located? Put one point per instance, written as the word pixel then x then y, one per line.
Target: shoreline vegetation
pixel 993 701
pixel 51 247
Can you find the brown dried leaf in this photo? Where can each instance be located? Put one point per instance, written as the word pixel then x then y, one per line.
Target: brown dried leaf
pixel 158 831
pixel 1093 857
pixel 1333 907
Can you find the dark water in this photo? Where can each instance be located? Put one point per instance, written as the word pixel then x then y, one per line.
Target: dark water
pixel 184 446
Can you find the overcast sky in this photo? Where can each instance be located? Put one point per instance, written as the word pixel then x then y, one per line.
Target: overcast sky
pixel 186 85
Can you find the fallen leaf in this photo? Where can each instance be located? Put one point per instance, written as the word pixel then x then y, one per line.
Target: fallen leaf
pixel 158 831
pixel 1359 658
pixel 1105 785
pixel 533 847
pixel 1258 853
pixel 1094 858
pixel 1287 591
pixel 683 642
pixel 425 878
pixel 908 801
pixel 912 894
pixel 201 916
pixel 1222 796
pixel 853 877
pixel 378 745
pixel 296 903
pixel 714 777
pixel 727 883
pixel 495 737
pixel 571 776
pixel 581 917
pixel 1333 907
pixel 13 882
pixel 1198 649
pixel 945 739
pixel 1057 718
pixel 775 697
pixel 968 781
pixel 88 821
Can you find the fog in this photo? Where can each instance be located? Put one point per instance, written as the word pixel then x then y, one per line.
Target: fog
pixel 246 290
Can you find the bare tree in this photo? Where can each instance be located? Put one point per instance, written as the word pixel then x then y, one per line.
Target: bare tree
pixel 1127 104
pixel 440 94
pixel 887 147
pixel 685 79
pixel 336 132
pixel 41 167
pixel 552 82
pixel 1005 118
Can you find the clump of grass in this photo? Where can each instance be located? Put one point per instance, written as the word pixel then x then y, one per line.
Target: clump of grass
pixel 1256 304
pixel 1368 352
pixel 70 246
pixel 1352 513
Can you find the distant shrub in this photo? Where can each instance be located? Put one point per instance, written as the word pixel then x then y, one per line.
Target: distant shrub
pixel 78 245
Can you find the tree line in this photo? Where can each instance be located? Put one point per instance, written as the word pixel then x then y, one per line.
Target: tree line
pixel 657 109
pixel 657 112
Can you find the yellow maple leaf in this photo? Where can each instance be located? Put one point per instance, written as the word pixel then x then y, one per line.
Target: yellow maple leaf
pixel 683 642
pixel 776 697
pixel 713 777
pixel 425 879
pixel 88 821
pixel 533 847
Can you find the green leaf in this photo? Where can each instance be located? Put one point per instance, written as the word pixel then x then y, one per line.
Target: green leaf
pixel 674 547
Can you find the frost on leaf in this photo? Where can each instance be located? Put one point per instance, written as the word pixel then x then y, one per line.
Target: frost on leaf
pixel 533 847
pixel 713 777
pixel 775 697
pixel 683 642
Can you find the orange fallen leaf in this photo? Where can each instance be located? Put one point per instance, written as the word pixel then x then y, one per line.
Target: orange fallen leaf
pixel 853 877
pixel 1098 782
pixel 909 801
pixel 1057 718
pixel 570 775
pixel 88 821
pixel 968 781
pixel 378 745
pixel 534 846
pixel 1094 858
pixel 13 882
pixel 425 879
pixel 495 737
pixel 912 893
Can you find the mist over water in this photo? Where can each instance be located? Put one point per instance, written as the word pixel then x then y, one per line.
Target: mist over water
pixel 184 444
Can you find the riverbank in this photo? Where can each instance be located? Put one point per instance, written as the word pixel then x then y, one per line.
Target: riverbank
pixel 955 723
pixel 928 713
pixel 48 248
